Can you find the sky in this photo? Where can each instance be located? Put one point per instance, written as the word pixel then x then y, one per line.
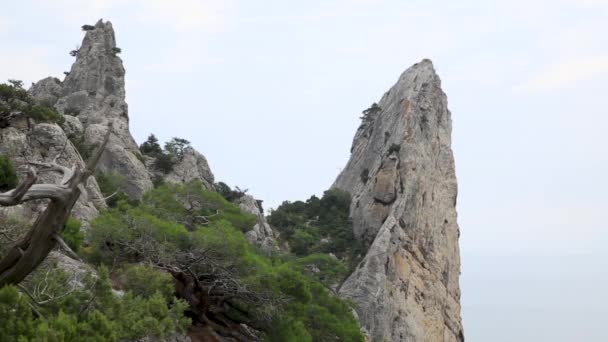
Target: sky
pixel 271 93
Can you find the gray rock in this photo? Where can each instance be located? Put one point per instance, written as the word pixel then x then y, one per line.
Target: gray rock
pixel 193 166
pixel 94 91
pixel 72 127
pixel 41 144
pixel 262 235
pixel 406 287
pixel 47 90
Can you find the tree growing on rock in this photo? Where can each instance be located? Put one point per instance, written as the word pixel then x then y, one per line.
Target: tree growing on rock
pixel 28 252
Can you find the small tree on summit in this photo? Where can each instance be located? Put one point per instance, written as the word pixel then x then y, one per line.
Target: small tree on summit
pixel 176 147
pixel 151 147
pixel 373 109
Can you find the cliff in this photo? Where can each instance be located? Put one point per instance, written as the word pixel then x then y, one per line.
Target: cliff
pixel 403 185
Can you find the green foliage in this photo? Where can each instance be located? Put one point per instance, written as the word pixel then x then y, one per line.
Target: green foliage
pixel 165 159
pixel 230 195
pixel 72 235
pixel 167 202
pixel 318 226
pixel 13 91
pixel 151 147
pixel 16 98
pixel 369 112
pixel 8 174
pixel 176 147
pixel 164 163
pixel 90 313
pixel 323 267
pixel 394 148
pixel 43 113
pixel 285 298
pixel 112 185
pixel 144 281
pixel 365 175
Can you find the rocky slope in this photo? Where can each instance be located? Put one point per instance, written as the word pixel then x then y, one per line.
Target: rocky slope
pixel 403 185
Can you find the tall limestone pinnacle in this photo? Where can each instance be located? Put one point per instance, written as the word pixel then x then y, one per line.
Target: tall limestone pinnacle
pixel 92 96
pixel 95 87
pixel 403 185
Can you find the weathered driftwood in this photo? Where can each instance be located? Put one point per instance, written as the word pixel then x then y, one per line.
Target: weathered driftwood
pixel 27 253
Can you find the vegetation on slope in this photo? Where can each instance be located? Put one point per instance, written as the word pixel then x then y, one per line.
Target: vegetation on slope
pixel 319 226
pixel 15 100
pixel 182 241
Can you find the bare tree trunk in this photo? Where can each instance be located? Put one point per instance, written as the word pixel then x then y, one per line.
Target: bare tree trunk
pixel 29 252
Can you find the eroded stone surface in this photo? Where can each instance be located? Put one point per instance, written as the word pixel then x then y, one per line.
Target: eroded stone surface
pixel 262 234
pixel 406 288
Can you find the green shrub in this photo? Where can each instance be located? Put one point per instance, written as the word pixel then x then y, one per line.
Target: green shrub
pixel 365 175
pixel 144 281
pixel 151 147
pixel 43 113
pixel 72 235
pixel 394 148
pixel 13 91
pixel 90 313
pixel 164 163
pixel 282 297
pixel 305 225
pixel 176 147
pixel 166 201
pixel 112 185
pixel 8 174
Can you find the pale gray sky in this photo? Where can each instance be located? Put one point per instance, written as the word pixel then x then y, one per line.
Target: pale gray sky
pixel 271 93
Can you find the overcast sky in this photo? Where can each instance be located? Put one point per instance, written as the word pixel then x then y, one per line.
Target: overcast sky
pixel 271 93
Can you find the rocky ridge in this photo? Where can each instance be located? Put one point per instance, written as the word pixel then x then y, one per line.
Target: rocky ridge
pixel 402 180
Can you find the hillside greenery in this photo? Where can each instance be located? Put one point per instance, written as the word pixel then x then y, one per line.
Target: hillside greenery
pixel 176 224
pixel 182 234
pixel 15 99
pixel 319 225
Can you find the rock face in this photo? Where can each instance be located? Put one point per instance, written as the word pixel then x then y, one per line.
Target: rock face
pixel 262 234
pixel 403 185
pixel 42 143
pixel 193 166
pixel 94 93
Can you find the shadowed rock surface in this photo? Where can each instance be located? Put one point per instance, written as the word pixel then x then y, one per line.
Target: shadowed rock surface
pixel 403 185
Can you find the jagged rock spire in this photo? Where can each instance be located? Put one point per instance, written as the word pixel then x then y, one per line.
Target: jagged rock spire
pixel 403 185
pixel 94 92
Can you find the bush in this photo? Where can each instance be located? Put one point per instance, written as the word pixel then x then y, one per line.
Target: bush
pixel 112 185
pixel 304 225
pixel 144 281
pixel 151 147
pixel 91 313
pixel 164 163
pixel 282 299
pixel 176 147
pixel 8 175
pixel 365 175
pixel 394 148
pixel 72 235
pixel 43 113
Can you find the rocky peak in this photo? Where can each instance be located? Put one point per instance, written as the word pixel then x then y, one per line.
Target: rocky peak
pixel 403 185
pixel 94 93
pixel 98 68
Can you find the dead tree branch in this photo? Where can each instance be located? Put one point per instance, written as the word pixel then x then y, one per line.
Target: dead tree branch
pixel 25 255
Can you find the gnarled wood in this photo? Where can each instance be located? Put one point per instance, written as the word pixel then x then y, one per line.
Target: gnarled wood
pixel 30 251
